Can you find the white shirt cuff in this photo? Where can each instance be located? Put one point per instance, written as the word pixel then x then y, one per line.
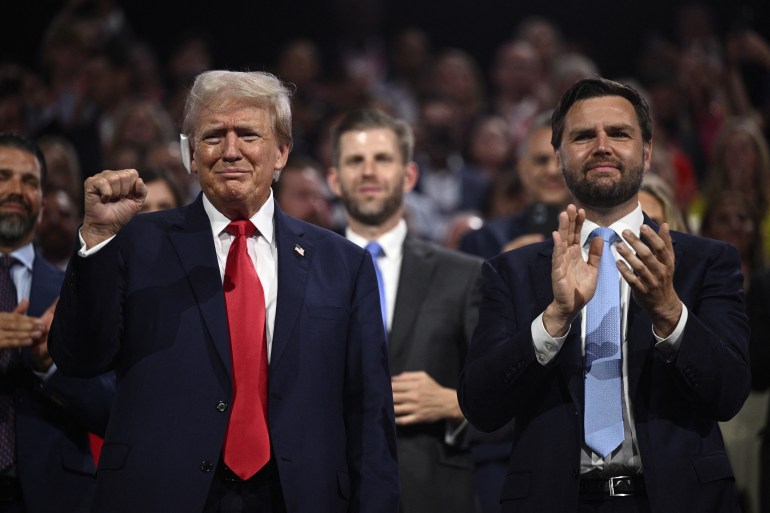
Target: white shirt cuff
pixel 47 374
pixel 669 346
pixel 88 252
pixel 546 346
pixel 453 433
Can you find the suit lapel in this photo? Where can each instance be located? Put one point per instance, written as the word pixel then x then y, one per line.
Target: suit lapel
pixel 417 266
pixel 295 254
pixel 44 287
pixel 191 237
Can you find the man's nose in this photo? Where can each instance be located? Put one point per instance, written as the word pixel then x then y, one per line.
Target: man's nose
pixel 602 143
pixel 368 169
pixel 232 149
pixel 14 187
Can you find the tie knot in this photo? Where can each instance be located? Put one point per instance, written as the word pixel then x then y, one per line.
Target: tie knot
pixel 242 227
pixel 375 249
pixel 6 262
pixel 607 234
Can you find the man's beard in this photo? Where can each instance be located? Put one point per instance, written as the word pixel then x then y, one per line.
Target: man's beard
pixel 602 195
pixel 373 216
pixel 15 227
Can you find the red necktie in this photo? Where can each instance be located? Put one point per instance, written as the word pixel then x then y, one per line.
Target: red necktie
pixel 247 444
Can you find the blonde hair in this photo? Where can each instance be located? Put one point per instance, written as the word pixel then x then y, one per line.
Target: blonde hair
pixel 259 88
pixel 716 180
pixel 657 187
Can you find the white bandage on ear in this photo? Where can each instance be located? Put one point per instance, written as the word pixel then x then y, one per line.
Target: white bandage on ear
pixel 184 146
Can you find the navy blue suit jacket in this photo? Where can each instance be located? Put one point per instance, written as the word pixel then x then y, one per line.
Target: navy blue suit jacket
pixel 53 418
pixel 676 405
pixel 150 305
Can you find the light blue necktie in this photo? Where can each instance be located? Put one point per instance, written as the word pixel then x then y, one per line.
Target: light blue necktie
pixel 376 251
pixel 603 375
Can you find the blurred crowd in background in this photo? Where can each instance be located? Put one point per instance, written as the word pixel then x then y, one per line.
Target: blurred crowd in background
pixel 100 97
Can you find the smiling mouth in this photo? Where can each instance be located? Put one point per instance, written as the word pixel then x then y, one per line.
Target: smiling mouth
pixel 13 206
pixel 232 172
pixel 603 167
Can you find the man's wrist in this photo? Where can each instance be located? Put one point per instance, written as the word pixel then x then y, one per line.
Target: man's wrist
pixel 665 324
pixel 556 324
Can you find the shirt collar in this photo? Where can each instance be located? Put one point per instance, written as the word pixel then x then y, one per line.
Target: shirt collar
pixel 263 219
pixel 632 221
pixel 391 241
pixel 25 256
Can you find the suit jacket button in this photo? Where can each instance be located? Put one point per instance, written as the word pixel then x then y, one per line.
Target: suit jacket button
pixel 206 466
pixel 221 406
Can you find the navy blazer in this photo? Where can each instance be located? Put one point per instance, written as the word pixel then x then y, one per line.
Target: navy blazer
pixel 676 404
pixel 150 305
pixel 53 418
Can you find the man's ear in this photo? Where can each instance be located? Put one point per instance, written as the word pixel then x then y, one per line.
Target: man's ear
pixel 412 175
pixel 40 214
pixel 185 147
pixel 647 155
pixel 284 150
pixel 332 178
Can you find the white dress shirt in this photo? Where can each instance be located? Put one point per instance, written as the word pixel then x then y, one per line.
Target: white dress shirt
pixel 392 244
pixel 262 249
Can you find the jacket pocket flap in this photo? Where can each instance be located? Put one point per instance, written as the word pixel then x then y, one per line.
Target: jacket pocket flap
pixel 712 467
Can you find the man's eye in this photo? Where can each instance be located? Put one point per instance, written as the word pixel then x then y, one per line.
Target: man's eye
pixel 212 139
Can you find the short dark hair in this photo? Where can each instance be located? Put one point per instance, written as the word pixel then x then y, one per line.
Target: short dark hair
pixel 594 88
pixel 372 119
pixel 20 142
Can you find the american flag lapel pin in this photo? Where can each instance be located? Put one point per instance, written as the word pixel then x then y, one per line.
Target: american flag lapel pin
pixel 299 249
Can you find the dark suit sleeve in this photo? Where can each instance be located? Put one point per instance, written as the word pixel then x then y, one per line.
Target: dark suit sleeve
pixel 501 375
pixel 87 400
pixel 369 417
pixel 85 333
pixel 712 365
